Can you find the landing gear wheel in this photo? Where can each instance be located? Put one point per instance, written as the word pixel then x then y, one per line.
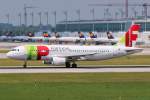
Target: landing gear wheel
pixel 74 65
pixel 25 65
pixel 67 64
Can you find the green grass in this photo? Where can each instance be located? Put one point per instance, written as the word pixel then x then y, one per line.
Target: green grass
pixel 12 62
pixel 79 86
pixel 127 60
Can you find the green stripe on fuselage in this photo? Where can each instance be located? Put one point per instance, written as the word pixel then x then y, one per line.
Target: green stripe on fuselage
pixel 31 52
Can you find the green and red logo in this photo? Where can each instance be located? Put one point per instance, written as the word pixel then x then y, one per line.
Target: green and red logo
pixel 130 36
pixel 37 52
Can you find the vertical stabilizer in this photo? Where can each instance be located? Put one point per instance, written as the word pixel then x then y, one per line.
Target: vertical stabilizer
pixel 130 36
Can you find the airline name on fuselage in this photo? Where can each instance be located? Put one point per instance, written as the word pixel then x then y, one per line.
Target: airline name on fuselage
pixel 60 48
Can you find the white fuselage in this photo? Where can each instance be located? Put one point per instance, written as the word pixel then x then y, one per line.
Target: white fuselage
pixel 73 51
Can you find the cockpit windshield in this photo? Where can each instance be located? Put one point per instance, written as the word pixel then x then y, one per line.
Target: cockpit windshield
pixel 15 50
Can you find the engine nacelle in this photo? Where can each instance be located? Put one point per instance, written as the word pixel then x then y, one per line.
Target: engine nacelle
pixel 55 61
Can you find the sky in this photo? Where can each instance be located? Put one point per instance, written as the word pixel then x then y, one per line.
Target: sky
pixel 14 7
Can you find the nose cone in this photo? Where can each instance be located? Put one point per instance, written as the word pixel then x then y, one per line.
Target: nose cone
pixel 9 55
pixel 12 55
pixel 17 53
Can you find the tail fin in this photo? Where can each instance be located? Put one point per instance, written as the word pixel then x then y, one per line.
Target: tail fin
pixel 81 35
pixel 130 36
pixel 92 35
pixel 109 35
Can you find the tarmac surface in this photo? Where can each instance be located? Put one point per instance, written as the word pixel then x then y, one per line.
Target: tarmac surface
pixel 73 70
pixel 10 45
pixel 3 56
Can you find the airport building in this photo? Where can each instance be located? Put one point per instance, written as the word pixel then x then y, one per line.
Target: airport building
pixel 102 25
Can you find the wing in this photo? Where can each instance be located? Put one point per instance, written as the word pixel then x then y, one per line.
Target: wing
pixel 78 56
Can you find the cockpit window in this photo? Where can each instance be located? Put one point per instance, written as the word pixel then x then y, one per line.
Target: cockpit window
pixel 15 50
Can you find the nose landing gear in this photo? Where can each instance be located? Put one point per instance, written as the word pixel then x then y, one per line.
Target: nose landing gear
pixel 67 64
pixel 25 64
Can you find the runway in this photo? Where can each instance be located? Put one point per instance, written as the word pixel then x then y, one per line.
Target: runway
pixel 73 70
pixel 3 56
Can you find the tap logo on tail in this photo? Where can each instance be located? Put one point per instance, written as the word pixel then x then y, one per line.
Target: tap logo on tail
pixel 131 35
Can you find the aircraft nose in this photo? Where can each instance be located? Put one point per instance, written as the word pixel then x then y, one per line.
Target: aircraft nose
pixel 9 55
pixel 17 53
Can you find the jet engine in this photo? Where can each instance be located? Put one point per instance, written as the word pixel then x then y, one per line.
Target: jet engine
pixel 55 61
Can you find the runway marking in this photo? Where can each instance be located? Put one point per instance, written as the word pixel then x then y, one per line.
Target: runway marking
pixel 73 70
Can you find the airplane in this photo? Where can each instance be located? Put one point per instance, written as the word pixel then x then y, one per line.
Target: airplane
pixel 68 54
pixel 14 38
pixel 80 39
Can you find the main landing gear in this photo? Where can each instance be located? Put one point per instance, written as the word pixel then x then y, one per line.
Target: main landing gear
pixel 73 65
